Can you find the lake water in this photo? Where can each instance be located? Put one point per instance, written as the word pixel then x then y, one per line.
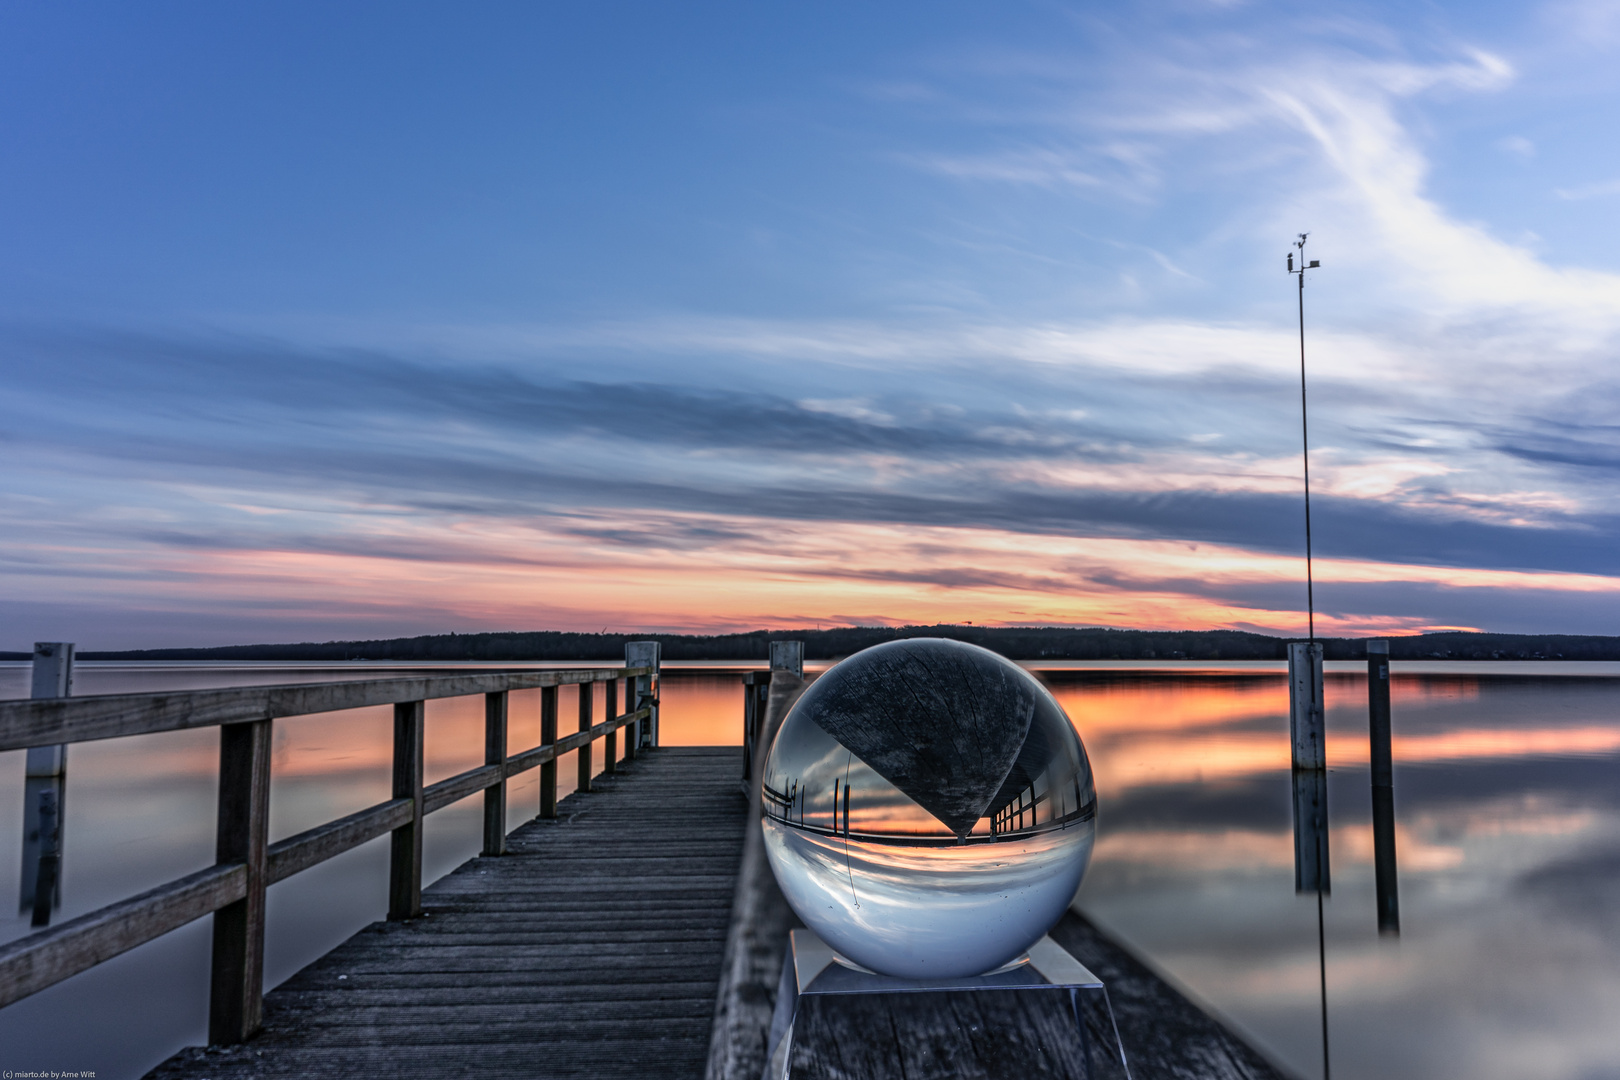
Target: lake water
pixel 1507 790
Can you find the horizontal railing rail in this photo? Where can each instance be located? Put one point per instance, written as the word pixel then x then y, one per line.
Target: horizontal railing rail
pixel 233 890
pixel 51 721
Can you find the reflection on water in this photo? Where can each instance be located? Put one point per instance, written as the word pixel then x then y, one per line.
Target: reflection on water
pixel 1506 803
pixel 1506 800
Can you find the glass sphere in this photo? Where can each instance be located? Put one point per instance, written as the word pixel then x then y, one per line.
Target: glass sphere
pixel 928 809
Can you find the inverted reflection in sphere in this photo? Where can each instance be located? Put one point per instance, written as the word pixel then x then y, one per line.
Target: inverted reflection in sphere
pixel 928 809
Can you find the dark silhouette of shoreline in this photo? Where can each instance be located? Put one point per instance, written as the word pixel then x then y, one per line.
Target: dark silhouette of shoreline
pixel 1016 643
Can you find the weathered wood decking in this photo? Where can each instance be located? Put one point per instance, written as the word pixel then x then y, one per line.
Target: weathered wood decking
pixel 641 934
pixel 592 949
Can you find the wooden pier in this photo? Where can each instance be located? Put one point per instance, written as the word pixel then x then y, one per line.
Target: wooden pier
pixel 591 949
pixel 632 930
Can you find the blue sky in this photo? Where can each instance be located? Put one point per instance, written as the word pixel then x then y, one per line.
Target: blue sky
pixel 324 322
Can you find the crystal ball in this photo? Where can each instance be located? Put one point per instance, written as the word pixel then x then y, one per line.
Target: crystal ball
pixel 928 809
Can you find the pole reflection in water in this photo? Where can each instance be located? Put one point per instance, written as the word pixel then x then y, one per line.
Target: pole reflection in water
pixel 928 809
pixel 1307 722
pixel 1508 830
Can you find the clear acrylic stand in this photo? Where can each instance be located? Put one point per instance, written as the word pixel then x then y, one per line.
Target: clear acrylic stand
pixel 810 970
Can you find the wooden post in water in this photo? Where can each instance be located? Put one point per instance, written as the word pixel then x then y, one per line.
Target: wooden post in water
pixel 1383 787
pixel 1307 724
pixel 236 995
pixel 405 858
pixel 495 754
pixel 587 701
pixel 645 654
pixel 45 793
pixel 1378 712
pixel 548 737
pixel 610 741
pixel 1308 733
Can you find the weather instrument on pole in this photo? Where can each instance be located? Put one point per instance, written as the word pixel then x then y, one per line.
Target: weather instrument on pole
pixel 1305 427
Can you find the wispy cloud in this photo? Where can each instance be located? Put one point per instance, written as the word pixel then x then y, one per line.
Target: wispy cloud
pixel 1599 190
pixel 254 455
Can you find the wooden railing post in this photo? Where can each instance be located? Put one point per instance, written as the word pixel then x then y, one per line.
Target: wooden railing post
pixel 405 861
pixel 632 730
pixel 645 654
pixel 548 736
pixel 756 691
pixel 748 724
pixel 45 792
pixel 610 742
pixel 495 754
pixel 788 656
pixel 236 997
pixel 587 702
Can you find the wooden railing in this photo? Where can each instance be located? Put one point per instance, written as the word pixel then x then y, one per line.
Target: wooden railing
pixel 245 865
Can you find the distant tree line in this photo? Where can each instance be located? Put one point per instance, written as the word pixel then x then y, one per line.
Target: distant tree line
pixel 1018 643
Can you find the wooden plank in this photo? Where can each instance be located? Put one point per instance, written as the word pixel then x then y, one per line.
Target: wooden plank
pixel 405 1019
pixel 761 919
pixel 615 982
pixel 109 716
pixel 314 846
pixel 458 787
pixel 236 977
pixel 573 742
pixel 636 1053
pixel 528 759
pixel 429 959
pixel 989 1035
pixel 549 994
pixel 28 965
pixel 1165 1032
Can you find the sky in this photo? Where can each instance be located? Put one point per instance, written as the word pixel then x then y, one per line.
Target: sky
pixel 338 321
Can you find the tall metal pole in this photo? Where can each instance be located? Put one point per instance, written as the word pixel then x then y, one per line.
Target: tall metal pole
pixel 1305 442
pixel 1310 616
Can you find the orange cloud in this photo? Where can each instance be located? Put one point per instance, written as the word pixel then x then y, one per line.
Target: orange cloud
pixel 711 573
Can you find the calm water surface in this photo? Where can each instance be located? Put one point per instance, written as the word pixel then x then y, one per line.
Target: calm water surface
pixel 1507 798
